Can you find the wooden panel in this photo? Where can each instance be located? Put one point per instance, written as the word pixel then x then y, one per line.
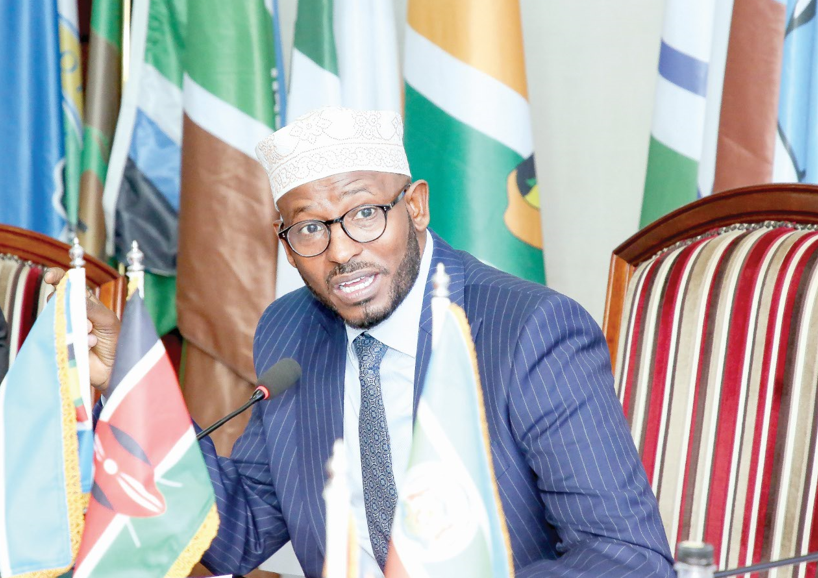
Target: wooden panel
pixel 113 294
pixel 777 202
pixel 109 286
pixel 618 278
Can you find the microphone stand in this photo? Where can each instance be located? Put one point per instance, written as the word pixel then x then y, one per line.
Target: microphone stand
pixel 258 395
pixel 812 557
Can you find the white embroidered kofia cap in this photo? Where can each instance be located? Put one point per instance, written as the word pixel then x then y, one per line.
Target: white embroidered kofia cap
pixel 329 141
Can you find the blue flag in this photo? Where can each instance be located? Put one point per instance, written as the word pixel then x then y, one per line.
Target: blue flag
pixel 46 442
pixel 32 148
pixel 796 151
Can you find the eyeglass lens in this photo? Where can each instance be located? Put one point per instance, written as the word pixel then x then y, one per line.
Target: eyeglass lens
pixel 363 224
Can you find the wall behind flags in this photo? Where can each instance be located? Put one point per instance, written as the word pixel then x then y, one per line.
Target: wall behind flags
pixel 592 74
pixel 591 69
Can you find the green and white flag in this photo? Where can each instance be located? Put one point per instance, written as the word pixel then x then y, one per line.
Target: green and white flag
pixel 335 64
pixel 227 243
pixel 468 130
pixel 684 135
pixel 449 519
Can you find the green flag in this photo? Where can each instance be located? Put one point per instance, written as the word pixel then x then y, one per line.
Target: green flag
pixel 468 130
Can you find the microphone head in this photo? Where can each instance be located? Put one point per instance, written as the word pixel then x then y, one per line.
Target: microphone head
pixel 280 377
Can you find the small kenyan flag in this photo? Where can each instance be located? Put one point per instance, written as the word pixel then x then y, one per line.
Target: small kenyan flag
pixel 152 510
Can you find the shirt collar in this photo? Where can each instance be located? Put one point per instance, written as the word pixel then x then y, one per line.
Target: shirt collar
pixel 400 330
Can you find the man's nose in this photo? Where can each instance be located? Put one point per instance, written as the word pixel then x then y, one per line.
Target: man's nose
pixel 341 247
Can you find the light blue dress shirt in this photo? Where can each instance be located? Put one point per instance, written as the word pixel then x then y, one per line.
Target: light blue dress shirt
pixel 399 332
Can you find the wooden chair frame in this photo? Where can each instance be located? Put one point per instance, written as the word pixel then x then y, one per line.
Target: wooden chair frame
pixel 769 202
pixel 109 286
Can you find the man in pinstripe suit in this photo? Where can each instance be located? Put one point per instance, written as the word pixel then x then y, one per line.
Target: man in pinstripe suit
pixel 574 492
pixel 573 489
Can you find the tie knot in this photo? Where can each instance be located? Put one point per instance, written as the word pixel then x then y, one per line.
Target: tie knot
pixel 369 350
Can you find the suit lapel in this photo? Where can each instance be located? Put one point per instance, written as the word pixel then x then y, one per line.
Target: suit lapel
pixel 321 412
pixel 453 262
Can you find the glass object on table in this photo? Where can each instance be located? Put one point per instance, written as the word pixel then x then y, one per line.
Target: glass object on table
pixel 694 560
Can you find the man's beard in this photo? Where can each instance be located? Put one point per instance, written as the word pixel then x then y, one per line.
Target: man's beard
pixel 402 283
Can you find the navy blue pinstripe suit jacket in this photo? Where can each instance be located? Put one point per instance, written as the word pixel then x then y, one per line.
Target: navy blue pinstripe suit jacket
pixel 573 489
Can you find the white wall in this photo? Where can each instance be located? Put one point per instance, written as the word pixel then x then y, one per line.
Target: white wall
pixel 591 72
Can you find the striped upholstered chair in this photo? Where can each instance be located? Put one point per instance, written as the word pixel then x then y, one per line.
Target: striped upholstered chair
pixel 24 256
pixel 712 323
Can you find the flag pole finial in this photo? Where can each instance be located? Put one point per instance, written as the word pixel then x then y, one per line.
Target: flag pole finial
pixel 77 254
pixel 440 282
pixel 135 257
pixel 136 270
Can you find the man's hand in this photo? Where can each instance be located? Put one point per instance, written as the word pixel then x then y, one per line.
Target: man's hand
pixel 103 332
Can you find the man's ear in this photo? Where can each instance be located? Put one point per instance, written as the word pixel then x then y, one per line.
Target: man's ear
pixel 285 246
pixel 417 202
pixel 288 251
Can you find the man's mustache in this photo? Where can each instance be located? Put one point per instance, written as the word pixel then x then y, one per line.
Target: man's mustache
pixel 346 268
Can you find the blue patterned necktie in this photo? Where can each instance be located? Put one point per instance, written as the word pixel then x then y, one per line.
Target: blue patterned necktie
pixel 380 493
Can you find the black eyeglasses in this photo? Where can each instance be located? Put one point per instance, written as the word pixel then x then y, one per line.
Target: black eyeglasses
pixel 363 224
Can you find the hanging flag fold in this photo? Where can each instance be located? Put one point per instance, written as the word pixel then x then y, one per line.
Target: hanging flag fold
pixel 684 132
pixel 227 217
pixel 449 519
pixel 72 106
pixel 103 96
pixel 142 186
pixel 468 130
pixel 46 440
pixel 796 143
pixel 31 100
pixel 749 102
pixel 152 502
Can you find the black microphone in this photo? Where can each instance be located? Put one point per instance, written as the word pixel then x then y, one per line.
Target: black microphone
pixel 811 557
pixel 272 383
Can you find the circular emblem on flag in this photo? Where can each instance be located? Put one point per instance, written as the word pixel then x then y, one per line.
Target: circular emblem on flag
pixel 437 513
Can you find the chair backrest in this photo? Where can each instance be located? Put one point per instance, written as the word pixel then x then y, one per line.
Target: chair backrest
pixel 24 256
pixel 712 322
